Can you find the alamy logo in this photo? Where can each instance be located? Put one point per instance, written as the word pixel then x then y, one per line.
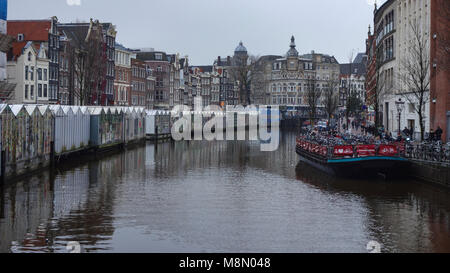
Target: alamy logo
pixel 212 123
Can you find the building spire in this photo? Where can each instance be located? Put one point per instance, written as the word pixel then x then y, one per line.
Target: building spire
pixel 292 52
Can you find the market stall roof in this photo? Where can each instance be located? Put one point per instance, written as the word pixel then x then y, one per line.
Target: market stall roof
pixel 30 108
pixel 16 108
pixel 67 110
pixel 43 109
pixel 3 107
pixel 57 110
pixel 95 110
pixel 76 110
pixel 84 110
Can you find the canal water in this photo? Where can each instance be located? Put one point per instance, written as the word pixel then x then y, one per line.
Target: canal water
pixel 217 197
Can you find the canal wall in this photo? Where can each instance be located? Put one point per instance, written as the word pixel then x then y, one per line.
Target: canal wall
pixel 431 172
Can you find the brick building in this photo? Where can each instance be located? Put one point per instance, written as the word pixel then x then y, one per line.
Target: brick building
pixel 159 64
pixel 43 33
pixel 82 37
pixel 123 79
pixel 139 85
pixel 440 70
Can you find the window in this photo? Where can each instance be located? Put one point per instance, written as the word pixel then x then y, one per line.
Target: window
pixel 32 73
pixel 39 90
pixel 39 74
pixel 20 37
pixel 26 91
pixel 158 56
pixel 32 91
pixel 45 74
pixel 45 90
pixel 26 72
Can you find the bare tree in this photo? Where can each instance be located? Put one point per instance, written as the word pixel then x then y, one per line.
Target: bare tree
pixel 88 59
pixel 414 73
pixel 241 74
pixel 313 95
pixel 331 96
pixel 348 90
pixel 258 81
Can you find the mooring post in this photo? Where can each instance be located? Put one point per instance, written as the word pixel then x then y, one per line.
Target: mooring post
pixel 52 155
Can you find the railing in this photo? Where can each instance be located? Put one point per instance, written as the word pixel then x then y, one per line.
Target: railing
pixel 352 151
pixel 432 152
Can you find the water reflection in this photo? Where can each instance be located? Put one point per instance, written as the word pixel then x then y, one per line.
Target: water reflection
pixel 217 197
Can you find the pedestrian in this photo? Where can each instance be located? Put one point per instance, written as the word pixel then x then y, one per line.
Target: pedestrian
pixel 407 132
pixel 438 133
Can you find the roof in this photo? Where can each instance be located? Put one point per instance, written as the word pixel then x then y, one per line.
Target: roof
pixel 203 68
pixel 3 107
pixel 357 69
pixel 121 47
pixel 33 30
pixel 74 32
pixel 328 58
pixel 360 58
pixel 292 51
pixel 223 61
pixel 18 48
pixel 151 56
pixel 16 108
pixel 381 9
pixel 241 48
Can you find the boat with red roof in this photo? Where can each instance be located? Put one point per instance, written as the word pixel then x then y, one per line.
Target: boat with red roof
pixel 349 159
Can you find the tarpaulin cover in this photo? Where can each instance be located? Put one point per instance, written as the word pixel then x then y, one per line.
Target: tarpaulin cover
pixel 3 9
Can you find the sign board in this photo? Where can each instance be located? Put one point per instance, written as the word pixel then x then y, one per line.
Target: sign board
pixel 343 151
pixel 388 150
pixel 366 150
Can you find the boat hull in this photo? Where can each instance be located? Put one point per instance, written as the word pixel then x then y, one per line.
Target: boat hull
pixel 361 166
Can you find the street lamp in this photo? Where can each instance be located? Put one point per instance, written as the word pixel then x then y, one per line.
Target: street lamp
pixel 400 107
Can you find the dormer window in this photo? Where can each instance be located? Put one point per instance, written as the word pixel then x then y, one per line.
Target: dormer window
pixel 20 37
pixel 29 56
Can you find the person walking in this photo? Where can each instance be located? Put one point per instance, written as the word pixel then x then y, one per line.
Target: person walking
pixel 438 133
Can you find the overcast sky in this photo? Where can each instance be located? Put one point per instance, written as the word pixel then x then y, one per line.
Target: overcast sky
pixel 205 29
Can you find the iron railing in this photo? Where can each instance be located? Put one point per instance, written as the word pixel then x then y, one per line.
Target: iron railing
pixel 433 152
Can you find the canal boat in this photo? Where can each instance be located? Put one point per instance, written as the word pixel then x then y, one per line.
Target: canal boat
pixel 353 160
